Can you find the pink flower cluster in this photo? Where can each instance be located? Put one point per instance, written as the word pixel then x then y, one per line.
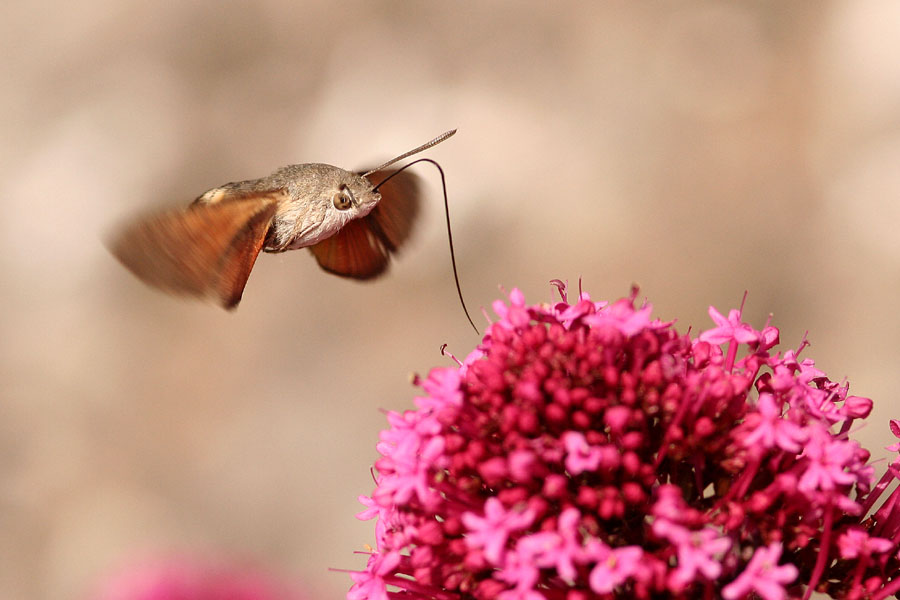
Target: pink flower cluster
pixel 187 579
pixel 584 450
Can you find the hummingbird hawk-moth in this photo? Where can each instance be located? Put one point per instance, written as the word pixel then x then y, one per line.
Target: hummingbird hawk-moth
pixel 351 222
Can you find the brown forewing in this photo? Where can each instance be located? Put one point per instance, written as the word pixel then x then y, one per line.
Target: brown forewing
pixel 362 248
pixel 203 250
pixel 239 258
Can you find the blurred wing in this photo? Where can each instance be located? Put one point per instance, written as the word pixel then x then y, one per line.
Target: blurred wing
pixel 355 251
pixel 362 248
pixel 396 213
pixel 203 250
pixel 240 256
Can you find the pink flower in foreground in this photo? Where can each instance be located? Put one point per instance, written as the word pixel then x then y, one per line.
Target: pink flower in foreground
pixel 614 567
pixel 190 580
pixel 762 575
pixel 586 450
pixel 491 532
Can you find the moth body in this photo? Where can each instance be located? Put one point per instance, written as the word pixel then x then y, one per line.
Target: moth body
pixel 208 248
pixel 306 211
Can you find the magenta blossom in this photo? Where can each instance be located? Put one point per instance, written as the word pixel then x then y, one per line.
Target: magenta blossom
pixel 187 579
pixel 762 575
pixel 586 450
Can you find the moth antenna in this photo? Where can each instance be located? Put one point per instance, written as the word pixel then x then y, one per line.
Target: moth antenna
pixel 430 144
pixel 446 210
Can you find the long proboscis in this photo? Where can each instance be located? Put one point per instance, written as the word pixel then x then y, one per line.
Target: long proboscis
pixel 425 146
pixel 446 211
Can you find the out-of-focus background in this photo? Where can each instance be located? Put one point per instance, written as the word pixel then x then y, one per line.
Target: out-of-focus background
pixel 697 149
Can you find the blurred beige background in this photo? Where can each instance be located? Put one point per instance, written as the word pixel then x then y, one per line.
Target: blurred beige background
pixel 698 149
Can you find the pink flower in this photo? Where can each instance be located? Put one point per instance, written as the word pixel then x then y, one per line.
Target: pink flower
pixel 186 579
pixel 372 509
pixel 698 551
pixel 560 549
pixel 623 317
pixel 729 329
pixel 614 567
pixel 895 429
pixel 587 449
pixel 762 575
pixel 855 542
pixel 700 554
pixel 371 583
pixel 492 531
pixel 773 430
pixel 827 461
pixel 580 456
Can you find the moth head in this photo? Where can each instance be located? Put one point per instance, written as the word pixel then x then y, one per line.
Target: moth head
pixel 346 195
pixel 321 199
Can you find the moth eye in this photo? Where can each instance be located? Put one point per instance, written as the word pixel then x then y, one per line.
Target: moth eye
pixel 343 199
